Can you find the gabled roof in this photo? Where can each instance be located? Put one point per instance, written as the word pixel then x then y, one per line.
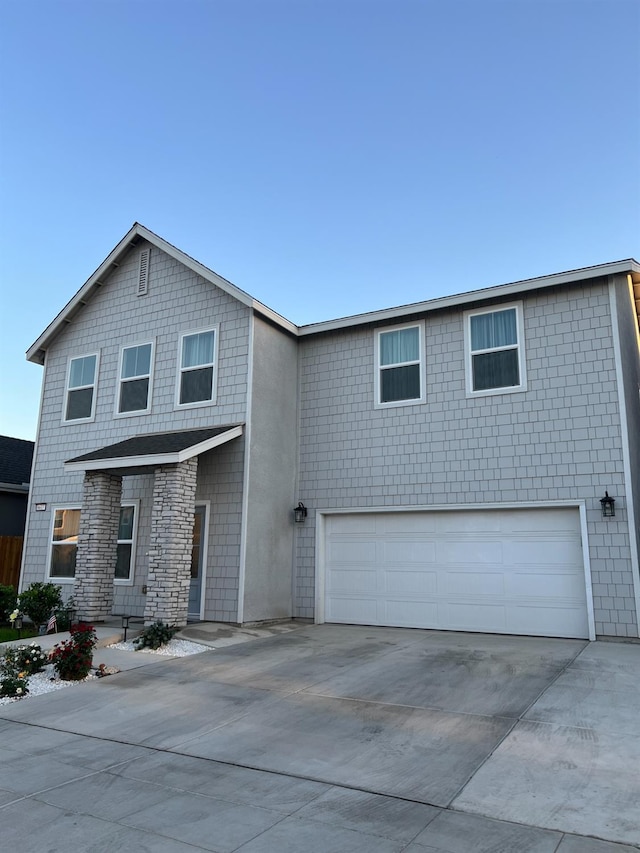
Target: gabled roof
pixel 138 233
pixel 16 456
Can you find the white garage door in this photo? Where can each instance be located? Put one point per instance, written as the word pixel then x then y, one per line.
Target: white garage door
pixel 498 571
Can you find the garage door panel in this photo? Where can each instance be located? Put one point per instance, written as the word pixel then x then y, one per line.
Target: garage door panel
pixel 358 611
pixel 407 522
pixel 540 620
pixel 543 584
pixel 499 571
pixel 416 583
pixel 408 613
pixel 354 551
pixel 550 552
pixel 476 616
pixel 468 583
pixel 475 550
pixel 409 552
pixel 352 580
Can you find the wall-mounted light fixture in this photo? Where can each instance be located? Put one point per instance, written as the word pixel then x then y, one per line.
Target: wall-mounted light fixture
pixel 608 506
pixel 299 513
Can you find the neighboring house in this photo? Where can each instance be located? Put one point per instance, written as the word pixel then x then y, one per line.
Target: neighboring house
pixel 451 455
pixel 16 455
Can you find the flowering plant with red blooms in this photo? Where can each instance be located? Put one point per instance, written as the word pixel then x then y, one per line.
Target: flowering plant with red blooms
pixel 72 658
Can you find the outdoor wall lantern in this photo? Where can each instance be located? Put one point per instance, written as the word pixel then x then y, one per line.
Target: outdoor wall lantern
pixel 608 506
pixel 299 513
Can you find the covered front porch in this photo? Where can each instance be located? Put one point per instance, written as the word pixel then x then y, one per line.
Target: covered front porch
pixel 172 459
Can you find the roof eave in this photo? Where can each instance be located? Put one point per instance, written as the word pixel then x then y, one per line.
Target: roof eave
pixel 503 290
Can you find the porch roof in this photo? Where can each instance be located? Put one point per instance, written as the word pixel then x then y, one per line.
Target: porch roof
pixel 161 448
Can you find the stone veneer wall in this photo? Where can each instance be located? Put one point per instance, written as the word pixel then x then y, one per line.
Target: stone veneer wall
pixel 169 576
pixel 97 545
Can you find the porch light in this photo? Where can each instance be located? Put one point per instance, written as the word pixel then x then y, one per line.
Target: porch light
pixel 299 513
pixel 608 506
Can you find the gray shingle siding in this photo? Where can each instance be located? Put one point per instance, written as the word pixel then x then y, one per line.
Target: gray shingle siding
pixel 178 301
pixel 558 440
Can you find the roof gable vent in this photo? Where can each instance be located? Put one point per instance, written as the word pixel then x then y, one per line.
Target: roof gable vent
pixel 143 272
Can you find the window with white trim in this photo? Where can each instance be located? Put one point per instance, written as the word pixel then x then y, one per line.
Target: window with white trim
pixel 64 543
pixel 197 379
pixel 399 365
pixel 81 388
pixel 494 343
pixel 134 392
pixel 126 543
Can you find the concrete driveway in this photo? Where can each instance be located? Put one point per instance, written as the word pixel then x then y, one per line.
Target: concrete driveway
pixel 337 738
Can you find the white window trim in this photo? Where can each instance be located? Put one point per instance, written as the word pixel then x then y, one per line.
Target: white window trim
pixel 134 542
pixel 51 578
pixel 79 388
pixel 520 347
pixel 214 389
pixel 117 413
pixel 421 362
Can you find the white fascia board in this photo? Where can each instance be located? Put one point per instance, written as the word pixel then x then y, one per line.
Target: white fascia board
pixel 502 290
pixel 155 458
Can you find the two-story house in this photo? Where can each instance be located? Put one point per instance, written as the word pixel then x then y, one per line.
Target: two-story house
pixel 452 458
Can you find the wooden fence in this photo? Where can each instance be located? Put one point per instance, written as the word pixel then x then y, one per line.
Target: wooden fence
pixel 10 556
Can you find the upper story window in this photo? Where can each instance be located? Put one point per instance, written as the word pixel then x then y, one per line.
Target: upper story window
pixel 134 393
pixel 494 341
pixel 399 365
pixel 81 388
pixel 197 374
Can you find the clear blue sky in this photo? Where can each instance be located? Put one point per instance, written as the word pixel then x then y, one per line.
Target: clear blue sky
pixel 328 156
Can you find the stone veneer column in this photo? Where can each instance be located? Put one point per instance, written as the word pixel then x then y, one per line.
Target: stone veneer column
pixel 97 545
pixel 169 576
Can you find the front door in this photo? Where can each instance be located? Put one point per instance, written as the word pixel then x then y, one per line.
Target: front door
pixel 197 553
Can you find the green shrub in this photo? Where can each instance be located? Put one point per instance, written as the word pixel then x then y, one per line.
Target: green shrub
pixel 29 659
pixel 38 600
pixel 8 600
pixel 72 658
pixel 155 635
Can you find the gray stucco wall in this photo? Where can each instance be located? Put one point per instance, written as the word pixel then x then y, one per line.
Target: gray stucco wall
pixel 560 439
pixel 178 301
pixel 273 437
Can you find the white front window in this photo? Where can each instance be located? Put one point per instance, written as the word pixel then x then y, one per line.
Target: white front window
pixel 64 543
pixel 125 554
pixel 134 394
pixel 197 375
pixel 81 388
pixel 399 367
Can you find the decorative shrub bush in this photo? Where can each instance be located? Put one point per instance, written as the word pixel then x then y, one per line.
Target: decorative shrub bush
pixel 16 665
pixel 14 685
pixel 30 659
pixel 38 600
pixel 155 635
pixel 8 599
pixel 72 658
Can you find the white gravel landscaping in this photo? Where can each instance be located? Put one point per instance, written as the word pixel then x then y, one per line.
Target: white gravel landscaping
pixel 174 648
pixel 47 681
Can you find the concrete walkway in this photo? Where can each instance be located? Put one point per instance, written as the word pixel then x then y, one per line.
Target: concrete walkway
pixel 336 738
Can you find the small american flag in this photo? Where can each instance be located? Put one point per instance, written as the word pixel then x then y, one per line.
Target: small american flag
pixel 52 625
